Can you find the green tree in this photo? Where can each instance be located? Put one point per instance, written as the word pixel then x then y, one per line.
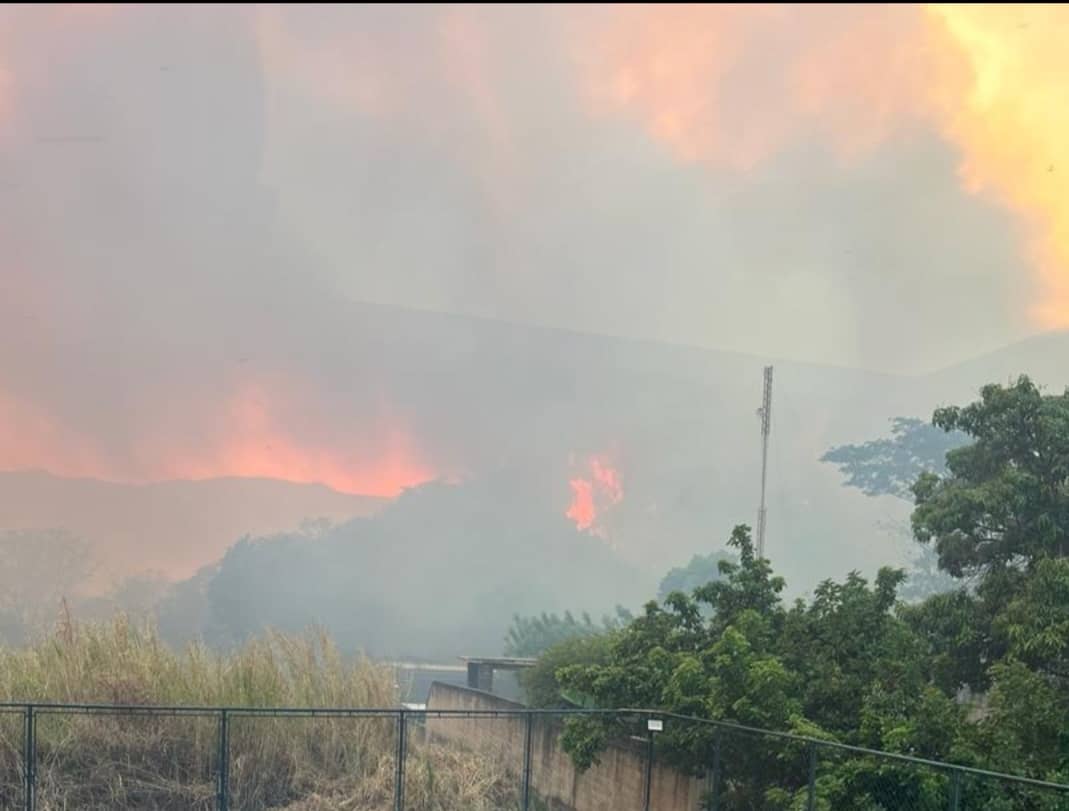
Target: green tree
pixel 541 684
pixel 954 629
pixel 846 643
pixel 1024 728
pixel 1034 626
pixel 842 666
pixel 1003 504
pixel 890 466
pixel 531 636
pixel 702 569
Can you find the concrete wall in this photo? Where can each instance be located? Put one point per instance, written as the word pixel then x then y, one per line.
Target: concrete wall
pixel 615 784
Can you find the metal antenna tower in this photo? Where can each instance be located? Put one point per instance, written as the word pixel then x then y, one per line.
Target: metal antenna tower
pixel 765 413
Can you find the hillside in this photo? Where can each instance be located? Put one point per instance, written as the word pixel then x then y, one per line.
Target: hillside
pixel 486 399
pixel 172 527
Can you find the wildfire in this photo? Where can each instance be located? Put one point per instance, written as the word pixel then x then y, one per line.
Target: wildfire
pixel 260 441
pixel 598 489
pixel 1011 124
pixel 258 436
pixel 581 509
pixel 32 439
pixel 726 87
pixel 731 86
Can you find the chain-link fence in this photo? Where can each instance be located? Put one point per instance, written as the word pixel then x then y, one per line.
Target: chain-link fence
pixel 93 757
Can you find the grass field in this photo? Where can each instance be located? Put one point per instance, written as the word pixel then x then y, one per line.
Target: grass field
pixel 91 762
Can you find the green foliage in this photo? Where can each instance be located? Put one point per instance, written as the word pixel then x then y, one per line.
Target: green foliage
pixel 955 633
pixel 531 636
pixel 701 570
pixel 820 667
pixel 1035 623
pixel 925 579
pixel 890 466
pixel 540 683
pixel 1025 726
pixel 1003 504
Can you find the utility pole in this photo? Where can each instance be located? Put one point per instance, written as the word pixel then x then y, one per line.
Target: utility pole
pixel 765 413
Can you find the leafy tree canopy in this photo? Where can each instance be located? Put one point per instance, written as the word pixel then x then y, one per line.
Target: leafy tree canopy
pixel 891 465
pixel 702 569
pixel 1003 504
pixel 532 636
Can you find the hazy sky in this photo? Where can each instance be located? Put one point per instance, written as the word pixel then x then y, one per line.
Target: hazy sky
pixel 185 192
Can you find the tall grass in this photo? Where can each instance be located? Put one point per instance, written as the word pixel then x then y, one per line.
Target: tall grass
pixel 127 663
pixel 116 762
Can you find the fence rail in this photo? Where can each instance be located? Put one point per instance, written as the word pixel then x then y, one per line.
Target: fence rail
pixel 793 772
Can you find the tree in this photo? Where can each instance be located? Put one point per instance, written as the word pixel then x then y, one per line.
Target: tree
pixel 845 643
pixel 1003 504
pixel 541 684
pixel 842 666
pixel 1034 626
pixel 702 569
pixel 532 636
pixel 1024 728
pixel 890 467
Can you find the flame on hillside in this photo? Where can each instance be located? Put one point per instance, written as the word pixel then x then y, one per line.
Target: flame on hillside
pixel 595 490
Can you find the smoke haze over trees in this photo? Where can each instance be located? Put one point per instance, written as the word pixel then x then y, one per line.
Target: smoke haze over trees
pixel 268 264
pixel 435 575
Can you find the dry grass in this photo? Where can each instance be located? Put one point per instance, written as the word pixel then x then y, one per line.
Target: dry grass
pixel 96 762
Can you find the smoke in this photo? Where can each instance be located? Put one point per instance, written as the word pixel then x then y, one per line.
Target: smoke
pixel 768 180
pixel 193 200
pixel 1011 127
pixel 731 86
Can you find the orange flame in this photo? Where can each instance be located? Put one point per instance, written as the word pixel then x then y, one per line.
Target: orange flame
pixel 592 496
pixel 257 441
pixel 582 509
pixel 260 441
pixel 1011 122
pixel 32 439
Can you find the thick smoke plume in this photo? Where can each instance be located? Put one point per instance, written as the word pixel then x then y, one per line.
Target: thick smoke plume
pixel 216 225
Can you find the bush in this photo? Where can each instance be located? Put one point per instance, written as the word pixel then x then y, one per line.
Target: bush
pixel 541 684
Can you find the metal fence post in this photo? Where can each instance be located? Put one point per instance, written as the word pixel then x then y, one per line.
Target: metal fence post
pixel 955 790
pixel 811 798
pixel 526 799
pixel 649 769
pixel 29 758
pixel 399 766
pixel 223 796
pixel 714 801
